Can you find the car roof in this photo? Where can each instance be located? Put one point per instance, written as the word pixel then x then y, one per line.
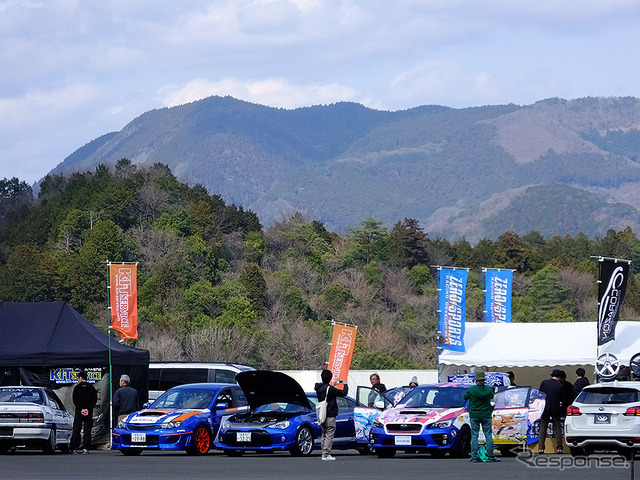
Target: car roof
pixel 204 386
pixel 615 383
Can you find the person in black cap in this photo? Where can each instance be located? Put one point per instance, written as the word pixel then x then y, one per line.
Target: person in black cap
pixel 554 391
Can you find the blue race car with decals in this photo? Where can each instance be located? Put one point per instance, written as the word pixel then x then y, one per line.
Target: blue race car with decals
pixel 186 417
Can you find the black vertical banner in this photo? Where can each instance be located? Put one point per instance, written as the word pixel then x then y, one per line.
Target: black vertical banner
pixel 613 284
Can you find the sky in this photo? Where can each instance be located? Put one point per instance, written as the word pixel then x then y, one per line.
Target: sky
pixel 74 70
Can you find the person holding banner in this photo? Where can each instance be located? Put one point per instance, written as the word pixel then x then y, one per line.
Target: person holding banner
pixel 326 389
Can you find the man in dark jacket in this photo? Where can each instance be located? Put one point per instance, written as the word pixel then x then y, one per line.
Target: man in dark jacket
pixel 85 398
pixel 326 389
pixel 125 400
pixel 480 412
pixel 553 410
pixel 581 382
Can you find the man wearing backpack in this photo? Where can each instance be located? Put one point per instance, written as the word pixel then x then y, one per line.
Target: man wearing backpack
pixel 326 389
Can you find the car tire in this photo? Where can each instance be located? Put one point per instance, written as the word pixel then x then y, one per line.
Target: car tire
pixel 130 452
pixel 200 442
pixel 233 453
pixel 577 452
pixel 49 445
pixel 65 448
pixel 463 446
pixel 304 442
pixel 385 452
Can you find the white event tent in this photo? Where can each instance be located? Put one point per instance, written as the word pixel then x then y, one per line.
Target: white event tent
pixel 533 350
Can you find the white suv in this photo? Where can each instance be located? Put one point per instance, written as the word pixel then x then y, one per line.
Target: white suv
pixel 605 417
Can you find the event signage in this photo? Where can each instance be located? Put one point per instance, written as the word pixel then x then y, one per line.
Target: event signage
pixel 497 295
pixel 453 310
pixel 70 375
pixel 612 285
pixel 343 342
pixel 124 299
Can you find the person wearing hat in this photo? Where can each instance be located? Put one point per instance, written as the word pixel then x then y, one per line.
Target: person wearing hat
pixel 553 389
pixel 125 400
pixel 414 382
pixel 480 412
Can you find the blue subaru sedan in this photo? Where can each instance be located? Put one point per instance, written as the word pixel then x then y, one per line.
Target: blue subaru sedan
pixel 280 417
pixel 186 417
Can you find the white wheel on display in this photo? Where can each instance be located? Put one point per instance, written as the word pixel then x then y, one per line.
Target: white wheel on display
pixel 607 366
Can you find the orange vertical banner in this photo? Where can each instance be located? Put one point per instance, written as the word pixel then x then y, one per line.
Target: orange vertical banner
pixel 343 342
pixel 124 299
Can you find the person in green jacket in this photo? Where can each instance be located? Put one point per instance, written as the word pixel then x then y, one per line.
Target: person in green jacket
pixel 480 411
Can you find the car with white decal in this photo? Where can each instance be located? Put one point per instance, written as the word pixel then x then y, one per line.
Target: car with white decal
pixel 186 417
pixel 429 418
pixel 33 417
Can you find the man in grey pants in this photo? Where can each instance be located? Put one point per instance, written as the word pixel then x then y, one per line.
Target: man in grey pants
pixel 326 389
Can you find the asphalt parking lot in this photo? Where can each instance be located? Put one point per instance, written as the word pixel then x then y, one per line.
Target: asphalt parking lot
pixel 109 464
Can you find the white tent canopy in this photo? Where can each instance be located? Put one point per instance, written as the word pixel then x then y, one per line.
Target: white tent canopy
pixel 511 346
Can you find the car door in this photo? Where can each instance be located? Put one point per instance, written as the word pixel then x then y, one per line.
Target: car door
pixel 62 419
pixel 345 429
pixel 515 414
pixel 369 406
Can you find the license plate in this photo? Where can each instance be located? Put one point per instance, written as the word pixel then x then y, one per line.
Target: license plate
pixel 602 418
pixel 243 436
pixel 403 440
pixel 138 437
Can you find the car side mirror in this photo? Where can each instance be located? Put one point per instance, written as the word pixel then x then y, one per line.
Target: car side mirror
pixel 222 405
pixel 146 405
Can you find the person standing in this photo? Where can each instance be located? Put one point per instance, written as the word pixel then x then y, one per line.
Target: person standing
pixel 326 389
pixel 125 400
pixel 85 398
pixel 581 382
pixel 512 378
pixel 480 412
pixel 554 391
pixel 374 378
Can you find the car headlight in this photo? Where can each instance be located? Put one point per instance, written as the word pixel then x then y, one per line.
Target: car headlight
pixel 122 424
pixel 170 425
pixel 442 424
pixel 281 425
pixel 376 423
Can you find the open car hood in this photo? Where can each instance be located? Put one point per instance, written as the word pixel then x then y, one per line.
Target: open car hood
pixel 264 386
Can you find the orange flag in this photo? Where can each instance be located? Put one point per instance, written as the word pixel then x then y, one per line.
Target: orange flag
pixel 341 352
pixel 124 299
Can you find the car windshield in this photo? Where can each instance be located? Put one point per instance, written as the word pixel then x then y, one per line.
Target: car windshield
pixel 188 398
pixel 22 395
pixel 281 407
pixel 608 395
pixel 434 397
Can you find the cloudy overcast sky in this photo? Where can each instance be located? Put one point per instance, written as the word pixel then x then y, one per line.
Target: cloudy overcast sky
pixel 73 70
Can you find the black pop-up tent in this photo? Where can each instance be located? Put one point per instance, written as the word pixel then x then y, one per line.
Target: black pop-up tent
pixel 42 342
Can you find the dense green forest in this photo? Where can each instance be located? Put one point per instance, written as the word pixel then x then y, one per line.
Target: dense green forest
pixel 215 285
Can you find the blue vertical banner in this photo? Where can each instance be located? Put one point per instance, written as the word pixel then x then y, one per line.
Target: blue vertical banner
pixel 497 295
pixel 453 309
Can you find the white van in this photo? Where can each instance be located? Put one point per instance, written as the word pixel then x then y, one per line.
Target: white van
pixel 164 375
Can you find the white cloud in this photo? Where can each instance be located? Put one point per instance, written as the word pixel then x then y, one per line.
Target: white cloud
pixel 275 92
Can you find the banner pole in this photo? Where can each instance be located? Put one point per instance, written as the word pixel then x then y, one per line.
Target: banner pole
pixel 110 362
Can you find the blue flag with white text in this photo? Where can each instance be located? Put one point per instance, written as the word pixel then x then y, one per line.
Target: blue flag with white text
pixel 453 309
pixel 497 295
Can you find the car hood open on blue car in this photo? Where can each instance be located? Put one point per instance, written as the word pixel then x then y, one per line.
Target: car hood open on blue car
pixel 261 387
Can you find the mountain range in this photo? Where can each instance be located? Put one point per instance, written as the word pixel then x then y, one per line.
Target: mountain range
pixel 560 167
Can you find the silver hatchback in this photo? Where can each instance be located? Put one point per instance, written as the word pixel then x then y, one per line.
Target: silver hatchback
pixel 605 417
